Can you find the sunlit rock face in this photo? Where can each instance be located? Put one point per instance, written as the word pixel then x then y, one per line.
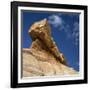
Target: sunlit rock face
pixel 43 58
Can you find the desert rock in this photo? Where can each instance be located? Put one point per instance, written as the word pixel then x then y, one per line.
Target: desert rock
pixel 43 58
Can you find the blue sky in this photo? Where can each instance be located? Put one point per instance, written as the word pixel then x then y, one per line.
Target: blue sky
pixel 65 32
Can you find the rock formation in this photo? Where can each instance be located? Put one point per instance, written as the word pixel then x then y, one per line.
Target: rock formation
pixel 43 58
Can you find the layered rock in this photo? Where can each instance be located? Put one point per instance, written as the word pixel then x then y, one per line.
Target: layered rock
pixel 42 31
pixel 43 58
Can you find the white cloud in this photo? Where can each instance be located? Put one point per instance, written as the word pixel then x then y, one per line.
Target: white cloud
pixel 76 26
pixel 75 33
pixel 55 20
pixel 58 22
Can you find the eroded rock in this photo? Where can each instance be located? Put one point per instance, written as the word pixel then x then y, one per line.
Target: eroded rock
pixel 42 31
pixel 43 58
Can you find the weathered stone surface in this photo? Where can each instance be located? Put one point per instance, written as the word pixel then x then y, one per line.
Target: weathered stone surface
pixel 43 57
pixel 43 66
pixel 41 31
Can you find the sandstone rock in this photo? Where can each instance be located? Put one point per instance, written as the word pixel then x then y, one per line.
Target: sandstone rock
pixel 41 31
pixel 43 57
pixel 36 67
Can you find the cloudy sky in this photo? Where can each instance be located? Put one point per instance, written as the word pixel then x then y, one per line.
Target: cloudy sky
pixel 65 32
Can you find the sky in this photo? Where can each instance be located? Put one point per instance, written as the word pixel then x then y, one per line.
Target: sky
pixel 65 32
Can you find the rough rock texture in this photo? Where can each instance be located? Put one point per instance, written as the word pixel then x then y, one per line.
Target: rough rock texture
pixel 43 57
pixel 41 31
